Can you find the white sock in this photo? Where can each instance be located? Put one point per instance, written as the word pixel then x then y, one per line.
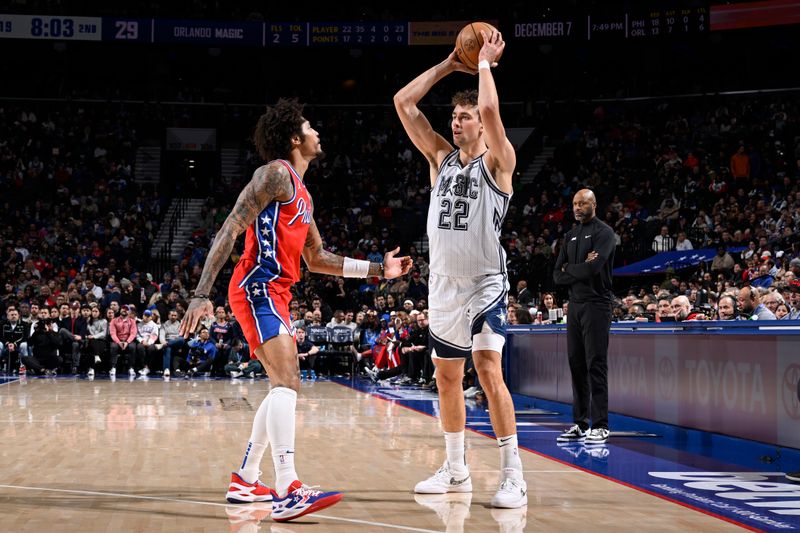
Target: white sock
pixel 258 443
pixel 280 427
pixel 510 463
pixel 456 457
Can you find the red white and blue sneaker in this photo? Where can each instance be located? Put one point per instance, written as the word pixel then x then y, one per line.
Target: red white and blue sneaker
pixel 301 500
pixel 240 491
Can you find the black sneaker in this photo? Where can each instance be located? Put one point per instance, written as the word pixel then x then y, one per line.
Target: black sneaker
pixel 573 434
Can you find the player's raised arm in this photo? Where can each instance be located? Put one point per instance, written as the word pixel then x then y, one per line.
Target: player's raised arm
pixel 502 156
pixel 270 182
pixel 322 261
pixel 432 145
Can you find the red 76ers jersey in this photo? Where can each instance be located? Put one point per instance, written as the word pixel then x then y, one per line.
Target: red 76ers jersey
pixel 274 241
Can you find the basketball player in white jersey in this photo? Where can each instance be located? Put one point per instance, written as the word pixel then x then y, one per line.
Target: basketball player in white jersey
pixel 471 189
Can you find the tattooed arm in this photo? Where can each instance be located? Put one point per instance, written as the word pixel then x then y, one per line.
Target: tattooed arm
pixel 270 182
pixel 322 261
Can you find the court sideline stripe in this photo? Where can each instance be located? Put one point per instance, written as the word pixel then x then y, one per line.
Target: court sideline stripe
pixel 565 463
pixel 196 502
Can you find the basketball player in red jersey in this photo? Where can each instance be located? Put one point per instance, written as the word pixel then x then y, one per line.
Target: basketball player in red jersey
pixel 276 211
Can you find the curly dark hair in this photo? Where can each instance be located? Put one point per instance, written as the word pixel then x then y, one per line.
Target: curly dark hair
pixel 275 128
pixel 465 98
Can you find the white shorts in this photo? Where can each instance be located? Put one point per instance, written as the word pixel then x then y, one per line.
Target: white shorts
pixel 467 314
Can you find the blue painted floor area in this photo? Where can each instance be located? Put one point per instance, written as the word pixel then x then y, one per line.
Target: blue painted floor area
pixel 736 480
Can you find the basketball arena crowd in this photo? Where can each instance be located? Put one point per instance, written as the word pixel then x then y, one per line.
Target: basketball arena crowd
pixel 80 292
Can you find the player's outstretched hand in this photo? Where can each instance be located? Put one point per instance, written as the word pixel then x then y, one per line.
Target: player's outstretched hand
pixel 198 308
pixel 396 266
pixel 492 49
pixel 457 65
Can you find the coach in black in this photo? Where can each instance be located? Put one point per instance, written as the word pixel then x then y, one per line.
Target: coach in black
pixel 584 263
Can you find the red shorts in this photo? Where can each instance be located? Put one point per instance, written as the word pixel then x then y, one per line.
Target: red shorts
pixel 262 309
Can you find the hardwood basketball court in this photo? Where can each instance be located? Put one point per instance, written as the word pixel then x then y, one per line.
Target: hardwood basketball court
pixel 157 456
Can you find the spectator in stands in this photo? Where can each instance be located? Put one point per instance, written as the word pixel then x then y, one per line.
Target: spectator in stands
pixel 682 309
pixel 221 332
pixel 740 165
pixel 348 320
pixel 524 295
pixel 723 262
pixel 307 319
pixel 399 286
pixel 306 354
pixel 369 333
pixel 337 319
pixel 97 343
pixel 398 341
pixel 28 312
pixel 89 287
pixel 548 304
pixel 750 303
pixel 663 242
pixel 239 362
pixel 771 300
pixel 522 316
pixel 317 304
pixel 683 244
pixel 123 333
pixel 670 209
pixel 72 329
pixel 794 295
pixel 14 338
pixel 171 339
pixel 417 287
pixel 147 345
pixel 782 312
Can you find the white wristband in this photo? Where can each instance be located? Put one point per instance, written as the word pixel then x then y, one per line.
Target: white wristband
pixel 484 64
pixel 355 268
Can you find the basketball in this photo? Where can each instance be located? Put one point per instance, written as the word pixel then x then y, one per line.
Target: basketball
pixel 470 41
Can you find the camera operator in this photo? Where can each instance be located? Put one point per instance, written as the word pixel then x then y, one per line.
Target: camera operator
pixel 202 351
pixel 636 313
pixel 44 344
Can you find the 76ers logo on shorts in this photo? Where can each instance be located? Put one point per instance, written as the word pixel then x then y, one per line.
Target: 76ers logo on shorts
pixel 303 212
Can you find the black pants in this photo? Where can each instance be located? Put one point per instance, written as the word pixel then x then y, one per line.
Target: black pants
pixel 147 355
pixel 308 362
pixel 201 366
pixel 129 352
pixel 96 347
pixel 402 368
pixel 70 349
pixel 220 360
pixel 40 366
pixel 587 345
